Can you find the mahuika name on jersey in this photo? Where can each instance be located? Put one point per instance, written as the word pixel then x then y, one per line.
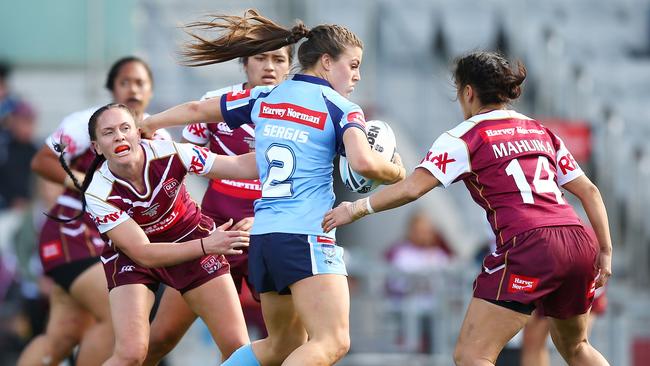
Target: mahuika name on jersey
pixel 505 149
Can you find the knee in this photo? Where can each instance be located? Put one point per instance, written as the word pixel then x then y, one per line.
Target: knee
pixel 130 353
pixel 570 352
pixel 338 346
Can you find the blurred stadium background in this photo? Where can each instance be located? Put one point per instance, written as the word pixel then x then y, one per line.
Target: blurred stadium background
pixel 589 78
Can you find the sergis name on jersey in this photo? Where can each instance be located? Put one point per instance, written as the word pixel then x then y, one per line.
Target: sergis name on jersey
pixel 504 149
pixel 293 113
pixel 286 133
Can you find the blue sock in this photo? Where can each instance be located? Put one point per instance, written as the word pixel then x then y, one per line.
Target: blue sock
pixel 243 356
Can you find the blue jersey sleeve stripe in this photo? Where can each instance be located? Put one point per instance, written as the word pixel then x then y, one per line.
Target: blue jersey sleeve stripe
pixel 336 114
pixel 235 117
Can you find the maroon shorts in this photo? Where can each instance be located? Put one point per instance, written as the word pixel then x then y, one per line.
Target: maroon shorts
pixel 121 270
pixel 221 208
pixel 63 243
pixel 553 268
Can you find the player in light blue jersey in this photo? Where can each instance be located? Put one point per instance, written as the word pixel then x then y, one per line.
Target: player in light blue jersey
pixel 300 126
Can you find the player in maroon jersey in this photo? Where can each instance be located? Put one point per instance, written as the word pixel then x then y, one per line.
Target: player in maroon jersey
pixel 512 167
pixel 223 200
pixel 69 252
pixel 156 233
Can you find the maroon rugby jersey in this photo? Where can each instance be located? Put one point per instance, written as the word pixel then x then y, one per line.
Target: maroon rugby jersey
pixel 512 166
pixel 225 141
pixel 164 210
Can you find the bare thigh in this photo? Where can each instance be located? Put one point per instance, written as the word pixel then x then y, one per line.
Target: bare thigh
pixel 485 331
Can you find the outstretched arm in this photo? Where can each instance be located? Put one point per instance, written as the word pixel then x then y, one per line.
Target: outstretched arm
pixel 234 167
pixel 184 114
pixel 131 239
pixel 592 201
pixel 399 194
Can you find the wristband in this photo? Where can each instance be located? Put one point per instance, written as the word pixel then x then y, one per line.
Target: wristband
pixel 202 247
pixel 368 207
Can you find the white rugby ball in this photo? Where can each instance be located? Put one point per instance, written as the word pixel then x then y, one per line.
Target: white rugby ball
pixel 382 140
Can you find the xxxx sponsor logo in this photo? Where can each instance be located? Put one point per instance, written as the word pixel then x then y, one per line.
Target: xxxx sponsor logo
pixel 111 217
pixel 440 161
pixel 197 164
pixel 198 130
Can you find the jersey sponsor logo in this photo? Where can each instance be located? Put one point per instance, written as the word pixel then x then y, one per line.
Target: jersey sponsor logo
pixel 357 117
pixel 286 133
pixel 293 113
pixel 519 283
pixel 198 130
pixel 508 148
pixel 222 127
pixel 237 95
pixel 151 211
pixel 127 268
pixel 210 264
pixel 440 161
pixel 507 131
pixel 567 163
pixel 111 217
pixel 197 164
pixel 51 251
pixel 170 186
pixel 253 185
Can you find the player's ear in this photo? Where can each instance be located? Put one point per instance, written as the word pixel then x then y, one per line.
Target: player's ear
pixel 326 61
pixel 95 147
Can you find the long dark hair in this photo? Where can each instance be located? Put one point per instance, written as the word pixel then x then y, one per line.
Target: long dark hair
pixel 491 75
pixel 99 159
pixel 253 34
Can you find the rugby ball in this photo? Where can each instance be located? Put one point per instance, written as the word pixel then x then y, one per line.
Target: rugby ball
pixel 382 140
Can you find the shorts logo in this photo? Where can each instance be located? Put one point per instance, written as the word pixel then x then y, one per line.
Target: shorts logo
pixel 171 187
pixel 293 113
pixel 128 268
pixel 197 164
pixel 328 248
pixel 51 250
pixel 210 264
pixel 519 283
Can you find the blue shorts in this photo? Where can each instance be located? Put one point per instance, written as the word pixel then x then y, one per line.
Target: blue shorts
pixel 278 260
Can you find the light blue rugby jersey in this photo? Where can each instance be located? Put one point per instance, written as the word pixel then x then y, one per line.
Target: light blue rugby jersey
pixel 299 127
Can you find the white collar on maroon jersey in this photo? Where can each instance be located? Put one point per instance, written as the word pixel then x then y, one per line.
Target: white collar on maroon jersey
pixel 148 155
pixel 497 114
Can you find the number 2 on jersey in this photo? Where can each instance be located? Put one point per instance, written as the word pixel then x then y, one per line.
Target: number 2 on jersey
pixel 282 165
pixel 546 185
